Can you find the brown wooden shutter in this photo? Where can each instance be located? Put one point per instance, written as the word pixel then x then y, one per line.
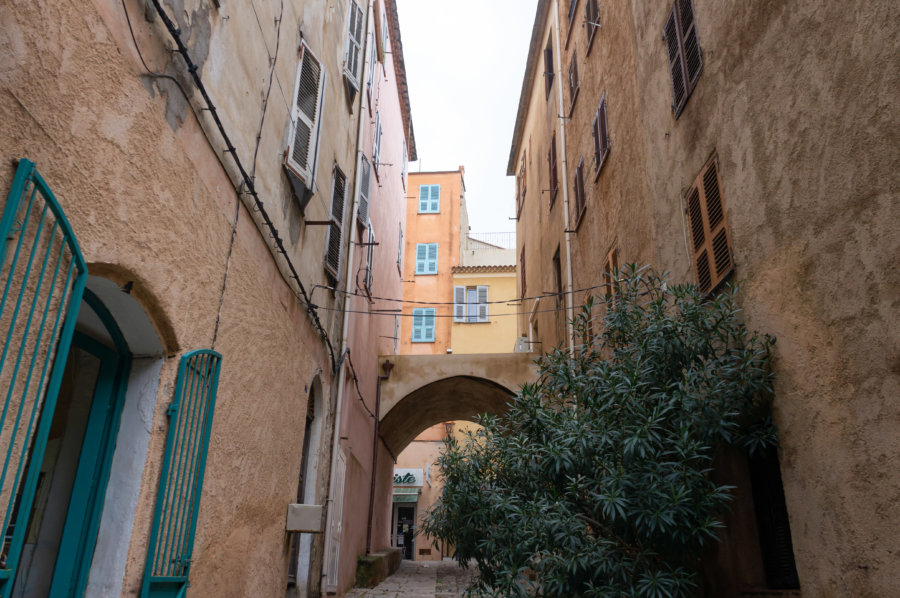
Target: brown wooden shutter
pixel 579 189
pixel 683 46
pixel 595 131
pixel 573 79
pixel 554 178
pixel 522 269
pixel 690 45
pixel 610 267
pixel 548 68
pixel 592 16
pixel 601 140
pixel 709 230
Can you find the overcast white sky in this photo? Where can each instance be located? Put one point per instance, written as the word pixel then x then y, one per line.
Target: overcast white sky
pixel 465 61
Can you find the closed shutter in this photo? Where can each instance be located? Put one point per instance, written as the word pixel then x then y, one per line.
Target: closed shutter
pixel 429 199
pixel 610 270
pixel 482 303
pixel 370 258
pixel 600 130
pixel 428 324
pixel 459 304
pixel 432 266
pixel 376 151
pixel 548 68
pixel 522 270
pixel 354 44
pixel 683 47
pixel 423 325
pixel 170 550
pixel 370 82
pixel 421 258
pixel 579 189
pixel 592 16
pixel 334 245
pixel 43 274
pixel 435 205
pixel 573 80
pixel 305 116
pixel 710 239
pixel 365 184
pixel 551 160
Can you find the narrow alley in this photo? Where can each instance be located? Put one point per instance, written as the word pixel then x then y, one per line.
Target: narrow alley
pixel 430 579
pixel 298 296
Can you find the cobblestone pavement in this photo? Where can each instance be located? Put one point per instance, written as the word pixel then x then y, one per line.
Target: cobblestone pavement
pixel 425 579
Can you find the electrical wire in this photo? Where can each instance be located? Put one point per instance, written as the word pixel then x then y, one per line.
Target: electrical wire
pixel 356 383
pixel 498 302
pixel 402 315
pixel 248 182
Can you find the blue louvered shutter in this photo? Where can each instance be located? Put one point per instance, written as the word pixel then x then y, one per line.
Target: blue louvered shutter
pixel 170 550
pixel 432 259
pixel 42 277
pixel 435 199
pixel 428 325
pixel 418 325
pixel 424 195
pixel 421 258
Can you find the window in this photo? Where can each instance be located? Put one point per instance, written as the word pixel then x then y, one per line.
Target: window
pixel 549 74
pixel 429 199
pixel 522 271
pixel 370 82
pixel 601 135
pixel 370 258
pixel 520 196
pixel 573 80
pixel 384 35
pixel 610 270
pixel 365 185
pixel 376 148
pixel 353 53
pixel 573 4
pixel 551 163
pixel 579 191
pixel 426 258
pixel 557 273
pixel 405 165
pixel 711 243
pixel 685 62
pixel 308 91
pixel 470 304
pixel 423 325
pixel 592 20
pixel 334 246
pixel 400 251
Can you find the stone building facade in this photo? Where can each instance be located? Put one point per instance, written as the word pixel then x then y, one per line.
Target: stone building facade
pixel 726 143
pixel 202 157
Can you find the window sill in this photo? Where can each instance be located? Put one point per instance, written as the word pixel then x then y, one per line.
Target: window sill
pixel 422 342
pixel 425 273
pixel 427 212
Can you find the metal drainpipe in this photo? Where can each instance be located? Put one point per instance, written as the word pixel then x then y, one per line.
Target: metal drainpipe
pixel 387 367
pixel 570 309
pixel 335 442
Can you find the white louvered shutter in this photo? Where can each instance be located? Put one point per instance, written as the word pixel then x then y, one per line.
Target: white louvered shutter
pixel 376 151
pixel 334 244
pixel 482 303
pixel 354 44
pixel 459 304
pixel 370 258
pixel 432 258
pixel 365 185
pixel 308 94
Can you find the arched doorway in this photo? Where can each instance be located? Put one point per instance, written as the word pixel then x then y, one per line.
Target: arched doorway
pixel 87 481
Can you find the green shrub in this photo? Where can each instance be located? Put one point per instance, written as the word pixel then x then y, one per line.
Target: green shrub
pixel 597 482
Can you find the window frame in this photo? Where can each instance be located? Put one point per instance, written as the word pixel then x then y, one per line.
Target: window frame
pixel 600 134
pixel 426 314
pixel 429 264
pixel 430 201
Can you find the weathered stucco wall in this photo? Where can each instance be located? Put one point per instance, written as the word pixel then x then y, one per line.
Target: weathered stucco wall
pixel 807 138
pixel 151 203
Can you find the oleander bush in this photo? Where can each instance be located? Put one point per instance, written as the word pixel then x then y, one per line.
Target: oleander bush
pixel 597 481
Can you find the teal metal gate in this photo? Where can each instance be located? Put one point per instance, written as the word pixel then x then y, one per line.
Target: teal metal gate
pixel 42 278
pixel 181 481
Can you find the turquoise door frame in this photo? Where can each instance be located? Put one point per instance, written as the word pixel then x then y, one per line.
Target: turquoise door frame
pixel 76 549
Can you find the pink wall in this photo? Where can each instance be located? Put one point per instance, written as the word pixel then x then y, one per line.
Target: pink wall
pixel 368 332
